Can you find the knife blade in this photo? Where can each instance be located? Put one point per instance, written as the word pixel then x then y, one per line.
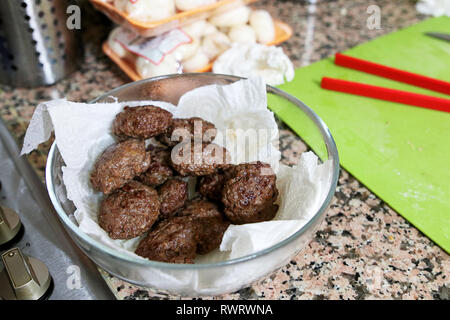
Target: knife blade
pixel 442 36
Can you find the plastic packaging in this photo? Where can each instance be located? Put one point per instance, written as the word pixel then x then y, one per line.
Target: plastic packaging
pixel 192 48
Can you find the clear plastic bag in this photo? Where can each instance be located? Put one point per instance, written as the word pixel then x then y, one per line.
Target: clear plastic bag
pixel 192 48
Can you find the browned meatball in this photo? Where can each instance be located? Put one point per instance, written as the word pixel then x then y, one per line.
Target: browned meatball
pixel 130 211
pixel 269 212
pixel 159 170
pixel 119 164
pixel 249 192
pixel 184 130
pixel 172 240
pixel 210 222
pixel 141 122
pixel 172 195
pixel 159 154
pixel 211 186
pixel 199 160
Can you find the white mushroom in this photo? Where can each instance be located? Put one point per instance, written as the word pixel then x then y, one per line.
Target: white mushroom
pixel 209 28
pixel 185 51
pixel 116 46
pixel 184 5
pixel 214 44
pixel 150 10
pixel 196 62
pixel 120 4
pixel 232 17
pixel 242 34
pixel 195 29
pixel 224 29
pixel 262 23
pixel 148 69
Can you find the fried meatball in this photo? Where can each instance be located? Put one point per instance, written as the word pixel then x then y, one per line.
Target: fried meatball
pixel 269 212
pixel 159 170
pixel 141 122
pixel 161 155
pixel 211 186
pixel 249 193
pixel 119 164
pixel 185 130
pixel 172 240
pixel 172 195
pixel 199 160
pixel 130 211
pixel 211 224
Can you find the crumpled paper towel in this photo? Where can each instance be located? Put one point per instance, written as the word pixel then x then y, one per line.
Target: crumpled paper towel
pixel 83 132
pixel 247 59
pixel 435 8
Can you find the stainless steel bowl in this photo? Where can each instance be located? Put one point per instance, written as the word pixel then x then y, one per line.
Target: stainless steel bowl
pixel 196 279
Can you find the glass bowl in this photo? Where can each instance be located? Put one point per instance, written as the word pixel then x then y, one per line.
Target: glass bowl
pixel 196 279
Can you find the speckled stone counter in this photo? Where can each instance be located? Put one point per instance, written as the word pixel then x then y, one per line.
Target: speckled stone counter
pixel 364 249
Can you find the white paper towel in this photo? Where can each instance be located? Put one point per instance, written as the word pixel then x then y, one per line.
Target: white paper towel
pixel 83 131
pixel 435 8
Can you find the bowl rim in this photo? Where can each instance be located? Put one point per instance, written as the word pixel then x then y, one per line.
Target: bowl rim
pixel 332 154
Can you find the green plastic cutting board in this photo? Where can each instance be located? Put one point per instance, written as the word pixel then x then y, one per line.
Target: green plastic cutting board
pixel 400 152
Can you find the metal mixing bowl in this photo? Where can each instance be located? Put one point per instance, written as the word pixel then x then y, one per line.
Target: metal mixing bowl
pixel 196 279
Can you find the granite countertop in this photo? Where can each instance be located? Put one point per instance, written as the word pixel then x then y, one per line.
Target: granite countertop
pixel 363 249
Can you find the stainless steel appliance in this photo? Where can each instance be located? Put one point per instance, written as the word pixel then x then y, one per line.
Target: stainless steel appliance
pixel 38 260
pixel 37 46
